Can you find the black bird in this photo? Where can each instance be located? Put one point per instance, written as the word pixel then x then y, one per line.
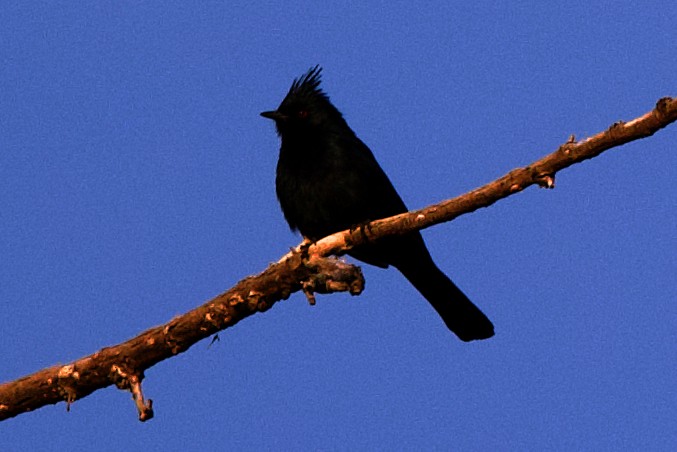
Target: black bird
pixel 328 181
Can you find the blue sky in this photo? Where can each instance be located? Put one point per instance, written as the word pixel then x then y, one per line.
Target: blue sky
pixel 137 181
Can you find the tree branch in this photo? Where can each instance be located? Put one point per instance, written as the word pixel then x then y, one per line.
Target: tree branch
pixel 541 172
pixel 304 269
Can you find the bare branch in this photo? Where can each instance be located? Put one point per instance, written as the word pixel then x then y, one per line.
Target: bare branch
pixel 124 364
pixel 302 270
pixel 541 172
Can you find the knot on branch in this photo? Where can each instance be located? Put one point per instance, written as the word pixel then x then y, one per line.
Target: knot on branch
pixel 251 301
pixel 616 129
pixel 127 379
pixel 67 380
pixel 330 274
pixel 175 346
pixel 545 180
pixel 662 106
pixel 566 148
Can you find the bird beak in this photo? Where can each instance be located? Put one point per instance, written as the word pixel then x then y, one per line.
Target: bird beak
pixel 274 115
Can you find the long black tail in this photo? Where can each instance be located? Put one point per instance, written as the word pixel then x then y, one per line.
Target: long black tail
pixel 458 312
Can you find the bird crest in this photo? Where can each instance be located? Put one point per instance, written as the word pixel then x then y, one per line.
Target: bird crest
pixel 308 85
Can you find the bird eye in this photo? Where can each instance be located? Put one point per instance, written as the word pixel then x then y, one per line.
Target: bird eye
pixel 302 114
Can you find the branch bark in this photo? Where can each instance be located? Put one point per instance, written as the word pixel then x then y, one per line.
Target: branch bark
pixel 304 269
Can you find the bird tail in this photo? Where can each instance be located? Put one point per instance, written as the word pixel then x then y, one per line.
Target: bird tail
pixel 460 315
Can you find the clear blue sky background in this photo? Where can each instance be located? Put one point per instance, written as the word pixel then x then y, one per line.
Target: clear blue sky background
pixel 137 181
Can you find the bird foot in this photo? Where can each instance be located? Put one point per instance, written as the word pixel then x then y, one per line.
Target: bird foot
pixel 364 229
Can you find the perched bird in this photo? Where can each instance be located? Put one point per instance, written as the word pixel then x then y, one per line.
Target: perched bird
pixel 328 181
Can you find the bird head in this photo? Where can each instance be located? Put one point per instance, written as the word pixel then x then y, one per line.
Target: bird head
pixel 306 108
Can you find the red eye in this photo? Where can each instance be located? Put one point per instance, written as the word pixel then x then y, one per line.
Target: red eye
pixel 302 114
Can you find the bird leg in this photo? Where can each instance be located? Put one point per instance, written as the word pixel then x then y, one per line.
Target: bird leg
pixel 363 228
